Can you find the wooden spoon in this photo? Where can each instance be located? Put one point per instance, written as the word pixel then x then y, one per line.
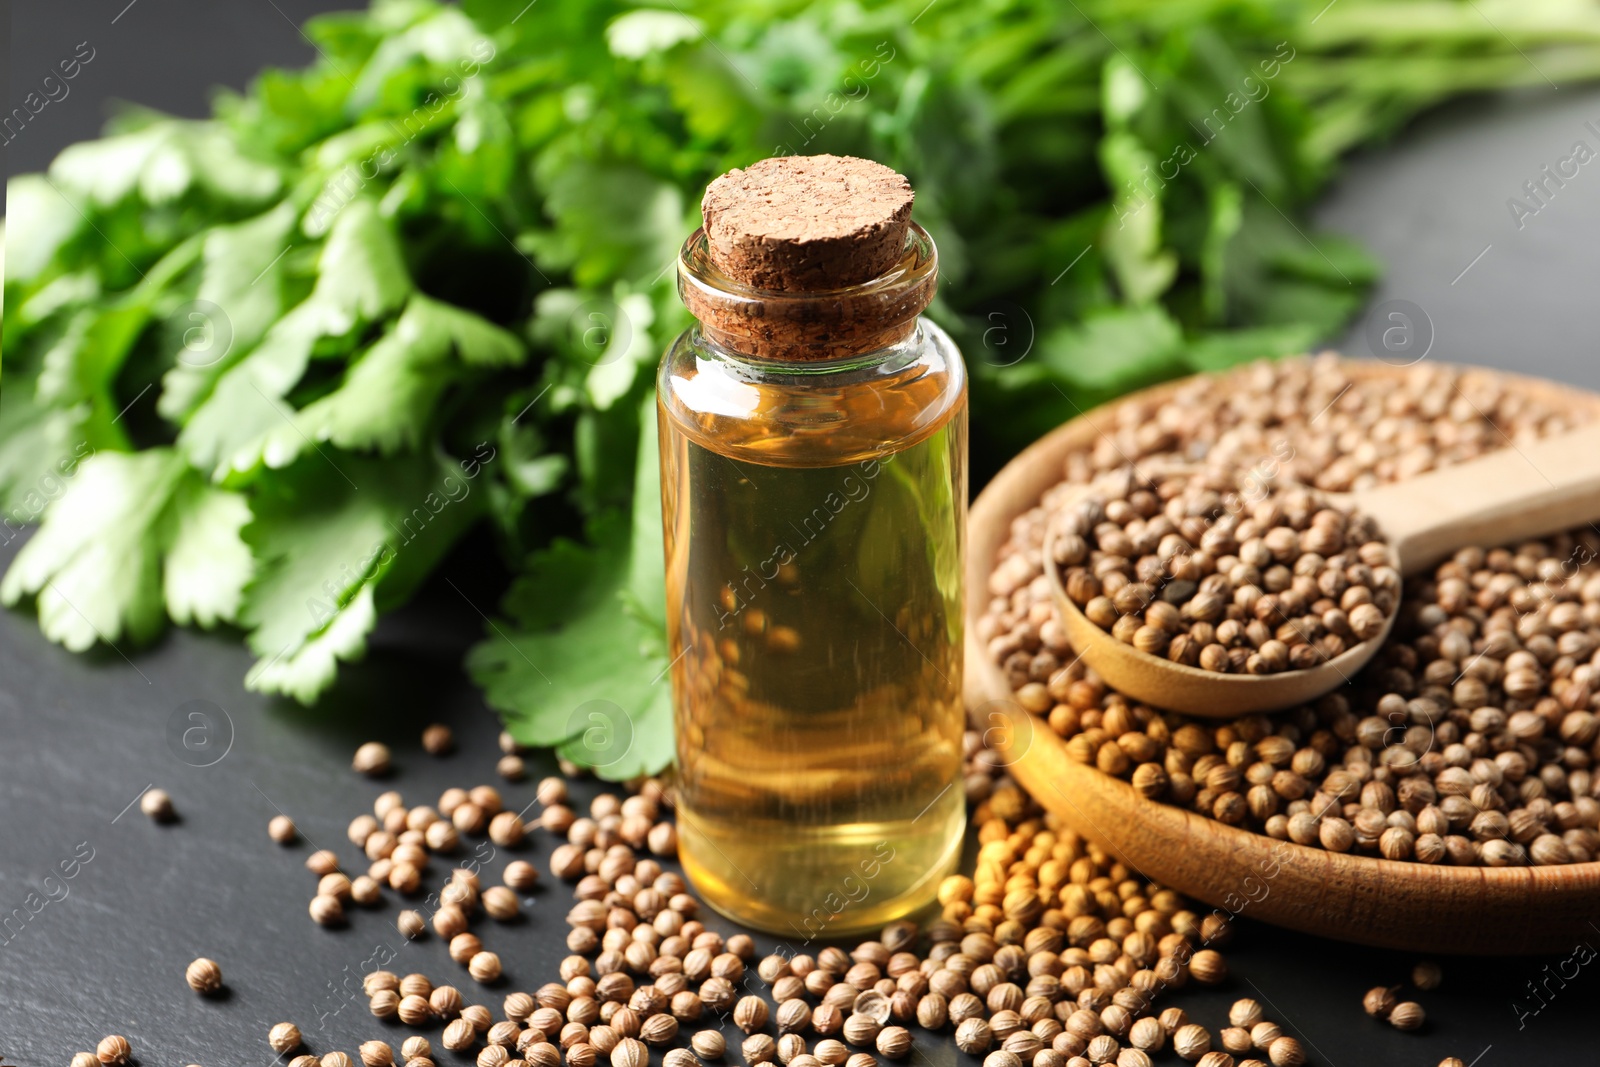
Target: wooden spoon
pixel 1501 498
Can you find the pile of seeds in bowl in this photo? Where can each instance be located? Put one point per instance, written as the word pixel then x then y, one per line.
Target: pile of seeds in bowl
pixel 1470 737
pixel 1212 570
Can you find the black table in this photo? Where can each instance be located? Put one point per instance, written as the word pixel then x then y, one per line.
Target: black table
pixel 82 736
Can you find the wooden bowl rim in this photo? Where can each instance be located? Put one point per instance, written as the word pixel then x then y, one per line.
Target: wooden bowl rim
pixel 985 681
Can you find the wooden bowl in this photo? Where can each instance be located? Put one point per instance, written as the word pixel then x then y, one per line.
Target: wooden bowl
pixel 1406 906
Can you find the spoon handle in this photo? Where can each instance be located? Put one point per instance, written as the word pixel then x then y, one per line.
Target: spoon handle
pixel 1516 493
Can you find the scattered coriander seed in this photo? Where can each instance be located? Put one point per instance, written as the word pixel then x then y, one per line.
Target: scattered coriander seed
pixel 438 739
pixel 1147 1034
pixel 478 1016
pixel 658 1029
pixel 758 1048
pixel 376 1054
pixel 861 1059
pixel 1103 1048
pixel 552 791
pixel 204 976
pixel 1426 976
pixel 1215 1059
pixel 157 804
pixel 579 1055
pixel 1208 967
pixel 326 910
pixel 413 1009
pixel 506 829
pixel 411 926
pixel 750 1014
pixel 385 1003
pixel 415 985
pixel 1245 1012
pixel 709 1044
pixel 679 1057
pixel 541 1054
pixel 304 1061
pixel 281 829
pixel 1286 1052
pixel 1380 1001
pixel 1235 1039
pixel 512 768
pixel 322 862
pixel 84 1059
pixel 1128 1057
pixel 1000 1058
pixel 973 1036
pixel 1191 1041
pixel 521 875
pixel 1407 1015
pixel 365 890
pixel 1263 1034
pixel 1452 1061
pixel 416 1047
pixel 336 1059
pixel 1173 1019
pixel 113 1051
pixel 371 759
pixel 630 1052
pixel 894 1042
pixel 464 946
pixel 459 1035
pixel 445 1000
pixel 484 967
pixel 500 904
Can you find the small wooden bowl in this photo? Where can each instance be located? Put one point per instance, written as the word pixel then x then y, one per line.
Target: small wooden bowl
pixel 1406 906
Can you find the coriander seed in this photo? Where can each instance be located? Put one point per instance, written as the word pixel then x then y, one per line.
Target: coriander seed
pixel 500 903
pixel 1426 976
pixel 204 976
pixel 281 829
pixel 709 1044
pixel 484 967
pixel 85 1059
pixel 411 926
pixel 335 1059
pixel 413 1009
pixel 305 1061
pixel 1286 1052
pixel 157 804
pixel 630 1052
pixel 438 739
pixel 459 1035
pixel 1407 1015
pixel 371 759
pixel 322 862
pixel 679 1057
pixel 326 910
pixel 113 1051
pixel 1380 1001
pixel 376 1054
pixel 416 1047
pixel 1191 1041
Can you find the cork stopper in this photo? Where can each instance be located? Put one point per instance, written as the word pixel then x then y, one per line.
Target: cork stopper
pixel 807 223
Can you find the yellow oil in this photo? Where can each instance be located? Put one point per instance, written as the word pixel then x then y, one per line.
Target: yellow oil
pixel 814 549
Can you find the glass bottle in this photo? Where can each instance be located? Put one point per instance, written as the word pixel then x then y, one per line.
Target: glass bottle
pixel 814 490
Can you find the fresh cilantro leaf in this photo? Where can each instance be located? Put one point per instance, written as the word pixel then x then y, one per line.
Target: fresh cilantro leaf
pixel 163 161
pixel 241 285
pixel 360 278
pixel 335 537
pixel 40 220
pixel 107 553
pixel 581 663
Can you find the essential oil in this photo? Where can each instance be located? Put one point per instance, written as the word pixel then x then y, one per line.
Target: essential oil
pixel 814 455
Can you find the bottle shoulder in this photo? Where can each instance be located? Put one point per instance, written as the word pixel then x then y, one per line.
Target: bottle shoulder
pixel 812 415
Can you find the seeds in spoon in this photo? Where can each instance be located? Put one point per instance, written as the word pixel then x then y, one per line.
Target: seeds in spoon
pixel 1180 563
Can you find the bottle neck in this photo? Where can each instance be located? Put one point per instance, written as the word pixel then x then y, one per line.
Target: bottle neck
pixel 817 326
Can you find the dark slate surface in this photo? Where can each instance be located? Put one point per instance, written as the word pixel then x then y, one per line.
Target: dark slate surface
pixel 82 736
